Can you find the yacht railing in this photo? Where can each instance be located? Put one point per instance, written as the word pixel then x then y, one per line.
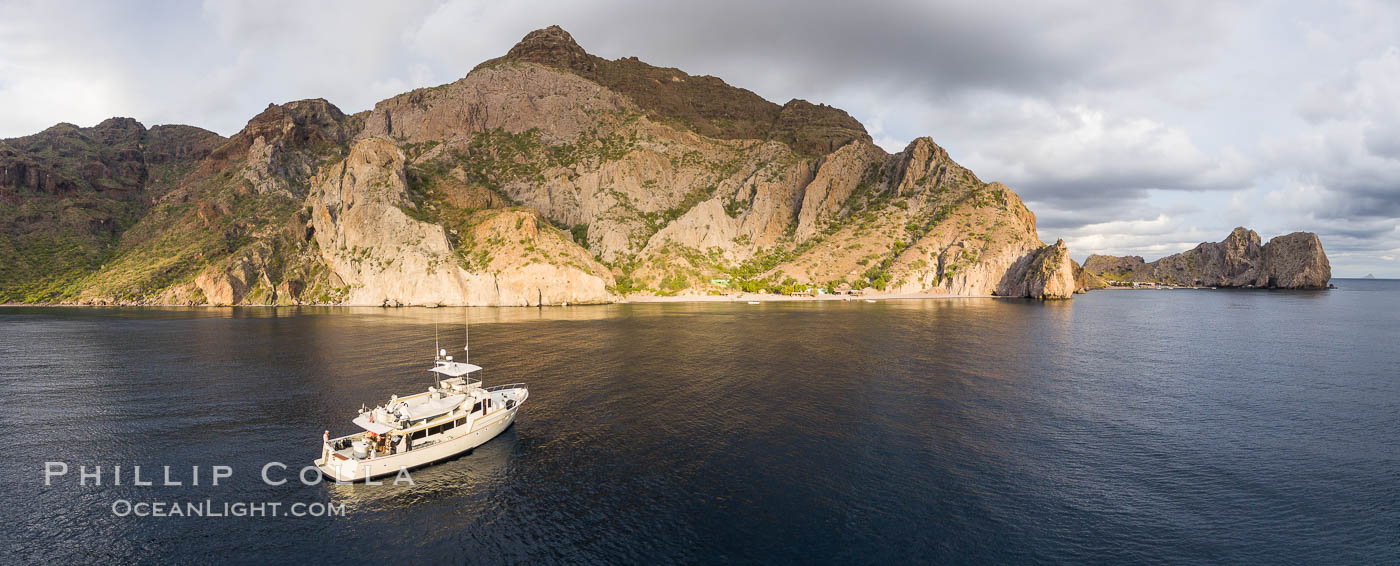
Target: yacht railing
pixel 506 386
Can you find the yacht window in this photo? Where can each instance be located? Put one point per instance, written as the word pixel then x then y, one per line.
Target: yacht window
pixel 449 425
pixel 434 430
pixel 419 434
pixel 477 407
pixel 461 421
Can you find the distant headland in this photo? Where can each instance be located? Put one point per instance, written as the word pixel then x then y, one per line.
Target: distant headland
pixel 1291 261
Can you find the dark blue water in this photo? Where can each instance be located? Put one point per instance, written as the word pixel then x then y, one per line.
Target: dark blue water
pixel 1173 427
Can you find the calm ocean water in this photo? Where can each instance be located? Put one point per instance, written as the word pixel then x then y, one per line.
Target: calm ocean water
pixel 1124 427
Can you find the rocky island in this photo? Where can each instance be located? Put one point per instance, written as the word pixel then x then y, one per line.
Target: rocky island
pixel 1291 261
pixel 545 176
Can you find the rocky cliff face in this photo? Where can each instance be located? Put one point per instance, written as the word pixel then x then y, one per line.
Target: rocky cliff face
pixel 379 254
pixel 1292 261
pixel 68 193
pixel 551 175
pixel 1046 273
pixel 232 228
pixel 1296 261
pixel 1084 280
pixel 284 144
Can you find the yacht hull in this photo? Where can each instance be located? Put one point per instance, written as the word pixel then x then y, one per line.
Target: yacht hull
pixel 342 469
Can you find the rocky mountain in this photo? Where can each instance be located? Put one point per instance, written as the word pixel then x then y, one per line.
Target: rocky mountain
pixel 68 193
pixel 547 175
pixel 1291 261
pixel 705 105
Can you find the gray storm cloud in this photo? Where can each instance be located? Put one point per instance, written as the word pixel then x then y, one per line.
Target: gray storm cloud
pixel 1130 127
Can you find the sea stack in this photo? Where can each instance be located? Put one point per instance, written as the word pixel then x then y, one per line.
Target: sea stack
pixel 1291 261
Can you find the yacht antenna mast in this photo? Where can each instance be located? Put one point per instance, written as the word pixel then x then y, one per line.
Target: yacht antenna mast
pixel 466 334
pixel 436 352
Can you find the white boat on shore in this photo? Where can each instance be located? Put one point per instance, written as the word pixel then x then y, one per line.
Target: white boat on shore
pixel 455 415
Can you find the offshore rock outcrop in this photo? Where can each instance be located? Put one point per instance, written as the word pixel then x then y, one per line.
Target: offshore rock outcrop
pixel 1047 273
pixel 1296 261
pixel 1291 261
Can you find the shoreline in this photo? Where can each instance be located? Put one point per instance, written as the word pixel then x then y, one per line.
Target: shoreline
pixel 640 299
pixel 768 297
pixel 636 299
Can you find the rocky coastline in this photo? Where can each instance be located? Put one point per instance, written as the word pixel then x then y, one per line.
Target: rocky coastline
pixel 1290 261
pixel 545 176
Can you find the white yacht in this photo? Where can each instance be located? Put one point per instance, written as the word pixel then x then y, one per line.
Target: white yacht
pixel 451 417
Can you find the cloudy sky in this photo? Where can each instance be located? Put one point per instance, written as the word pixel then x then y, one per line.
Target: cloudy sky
pixel 1139 128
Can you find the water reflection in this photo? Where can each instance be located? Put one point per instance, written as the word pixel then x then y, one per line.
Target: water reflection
pixel 1116 428
pixel 361 315
pixel 471 476
pixel 446 316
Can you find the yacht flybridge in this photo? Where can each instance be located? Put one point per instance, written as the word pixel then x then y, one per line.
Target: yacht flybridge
pixel 452 416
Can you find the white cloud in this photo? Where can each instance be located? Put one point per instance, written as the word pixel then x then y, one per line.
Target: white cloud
pixel 1340 176
pixel 1126 126
pixel 1077 150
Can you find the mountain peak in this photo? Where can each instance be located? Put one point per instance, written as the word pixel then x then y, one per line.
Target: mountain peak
pixel 554 47
pixel 1243 236
pixel 703 104
pixel 120 123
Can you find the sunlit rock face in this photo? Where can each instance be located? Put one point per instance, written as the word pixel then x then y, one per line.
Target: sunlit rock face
pixel 1291 261
pixel 551 175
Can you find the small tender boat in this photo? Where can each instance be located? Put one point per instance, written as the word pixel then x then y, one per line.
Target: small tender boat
pixel 451 417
